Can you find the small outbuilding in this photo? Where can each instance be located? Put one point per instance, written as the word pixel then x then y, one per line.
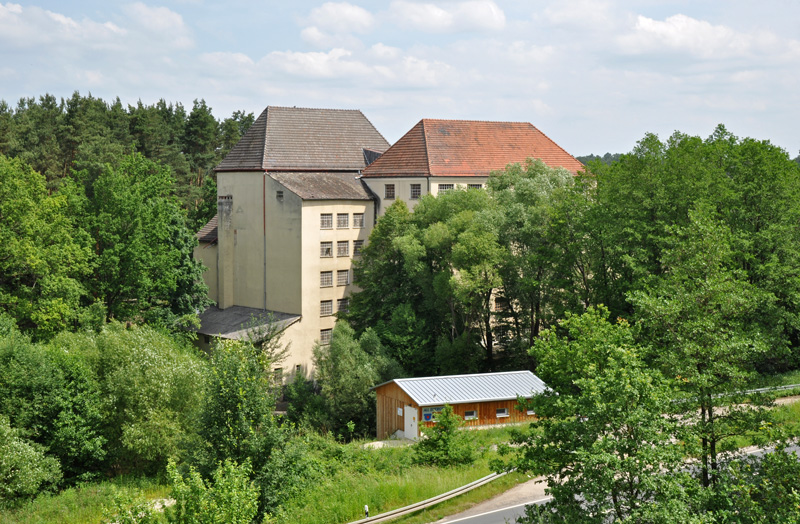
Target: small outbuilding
pixel 481 400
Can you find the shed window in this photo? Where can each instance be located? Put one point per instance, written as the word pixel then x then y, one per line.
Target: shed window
pixel 470 415
pixel 502 412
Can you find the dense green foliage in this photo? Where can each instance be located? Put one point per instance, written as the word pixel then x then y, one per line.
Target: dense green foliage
pixel 443 444
pixel 25 471
pixel 83 133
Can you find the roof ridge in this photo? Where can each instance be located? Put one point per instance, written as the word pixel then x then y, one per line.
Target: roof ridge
pixel 313 108
pixel 466 375
pixel 477 121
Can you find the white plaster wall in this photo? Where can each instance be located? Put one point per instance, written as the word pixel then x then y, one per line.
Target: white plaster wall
pixel 402 188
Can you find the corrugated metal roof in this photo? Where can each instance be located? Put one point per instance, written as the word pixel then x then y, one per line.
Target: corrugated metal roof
pixel 461 389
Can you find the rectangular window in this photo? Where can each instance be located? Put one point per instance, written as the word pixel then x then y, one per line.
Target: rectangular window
pixel 326 308
pixel 326 221
pixel 343 305
pixel 343 248
pixel 388 193
pixel 502 412
pixel 326 249
pixel 325 336
pixel 279 195
pixel 530 412
pixel 471 415
pixel 444 188
pixel 358 219
pixel 416 191
pixel 474 186
pixel 342 220
pixel 326 279
pixel 358 245
pixel 343 277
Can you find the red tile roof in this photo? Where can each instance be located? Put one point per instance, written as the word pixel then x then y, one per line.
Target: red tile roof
pixel 467 148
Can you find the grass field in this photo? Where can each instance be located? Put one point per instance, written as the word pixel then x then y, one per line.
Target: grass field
pixel 83 504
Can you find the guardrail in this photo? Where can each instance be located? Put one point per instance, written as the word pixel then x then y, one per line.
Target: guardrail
pixel 389 515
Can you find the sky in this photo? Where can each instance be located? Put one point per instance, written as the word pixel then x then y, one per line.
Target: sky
pixel 593 75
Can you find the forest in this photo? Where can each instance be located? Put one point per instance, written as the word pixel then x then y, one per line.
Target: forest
pixel 649 292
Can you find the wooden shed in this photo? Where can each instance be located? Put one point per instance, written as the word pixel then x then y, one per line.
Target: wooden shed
pixel 481 400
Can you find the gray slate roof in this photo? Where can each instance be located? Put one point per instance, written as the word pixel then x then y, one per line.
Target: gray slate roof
pixel 323 186
pixel 293 138
pixel 462 389
pixel 208 233
pixel 234 322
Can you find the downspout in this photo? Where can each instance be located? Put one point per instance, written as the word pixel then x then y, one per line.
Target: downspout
pixel 264 219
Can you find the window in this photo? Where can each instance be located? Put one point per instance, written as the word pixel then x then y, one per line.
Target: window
pixel 343 277
pixel 343 248
pixel 326 308
pixel 502 412
pixel 277 375
pixel 444 188
pixel 342 220
pixel 326 279
pixel 388 193
pixel 358 219
pixel 357 246
pixel 474 186
pixel 326 221
pixel 530 412
pixel 325 249
pixel 343 305
pixel 325 336
pixel 416 191
pixel 279 195
pixel 470 415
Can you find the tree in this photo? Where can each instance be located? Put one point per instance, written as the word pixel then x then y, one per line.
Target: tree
pixel 25 471
pixel 43 256
pixel 443 444
pixel 345 373
pixel 602 441
pixel 701 319
pixel 143 250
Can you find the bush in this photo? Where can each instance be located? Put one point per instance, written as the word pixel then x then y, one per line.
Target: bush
pixel 231 498
pixel 53 396
pixel 25 471
pixel 444 445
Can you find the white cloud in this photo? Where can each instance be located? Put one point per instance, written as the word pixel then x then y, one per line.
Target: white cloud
pixel 586 14
pixel 681 33
pixel 342 17
pixel 472 15
pixel 25 27
pixel 385 52
pixel 333 64
pixel 165 24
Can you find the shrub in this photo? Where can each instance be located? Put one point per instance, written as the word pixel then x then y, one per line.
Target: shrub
pixel 444 444
pixel 231 497
pixel 25 471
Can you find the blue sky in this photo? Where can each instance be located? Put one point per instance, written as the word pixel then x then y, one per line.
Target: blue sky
pixel 593 75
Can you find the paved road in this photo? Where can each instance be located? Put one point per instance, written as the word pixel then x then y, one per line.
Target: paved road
pixel 498 516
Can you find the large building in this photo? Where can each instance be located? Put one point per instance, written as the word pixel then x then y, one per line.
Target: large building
pixel 299 195
pixel 291 216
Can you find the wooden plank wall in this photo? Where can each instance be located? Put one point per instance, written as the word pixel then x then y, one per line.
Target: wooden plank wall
pixel 389 397
pixel 487 413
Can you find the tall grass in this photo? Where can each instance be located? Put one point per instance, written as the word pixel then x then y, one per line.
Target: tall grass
pixel 393 483
pixel 83 504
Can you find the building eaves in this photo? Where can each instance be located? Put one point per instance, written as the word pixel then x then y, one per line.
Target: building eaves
pixel 237 322
pixel 323 185
pixel 462 389
pixel 208 233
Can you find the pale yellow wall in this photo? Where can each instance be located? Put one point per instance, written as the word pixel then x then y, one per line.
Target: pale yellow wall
pixel 402 188
pixel 284 249
pixel 246 235
pixel 207 255
pixel 305 333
